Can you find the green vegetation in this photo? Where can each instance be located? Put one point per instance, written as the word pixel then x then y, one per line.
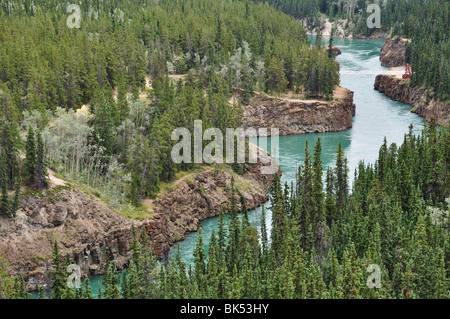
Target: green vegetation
pixel 78 94
pixel 423 21
pixel 118 142
pixel 321 241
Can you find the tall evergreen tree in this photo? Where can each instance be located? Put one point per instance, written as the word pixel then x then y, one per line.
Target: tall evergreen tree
pixel 29 166
pixel 41 171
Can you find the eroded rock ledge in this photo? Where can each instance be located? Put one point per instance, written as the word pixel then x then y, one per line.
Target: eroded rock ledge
pixel 85 227
pixel 400 91
pixel 335 50
pixel 292 116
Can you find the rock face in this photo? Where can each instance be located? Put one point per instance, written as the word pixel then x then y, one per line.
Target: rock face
pixel 201 196
pixel 300 116
pixel 392 53
pixel 335 50
pixel 400 91
pixel 85 227
pixel 377 35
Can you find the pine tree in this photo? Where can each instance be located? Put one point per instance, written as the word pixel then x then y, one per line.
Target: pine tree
pixel 41 292
pixel 264 239
pixel 41 171
pixel 20 288
pixel 122 101
pixel 330 43
pixel 4 201
pixel 246 79
pixel 87 289
pixel 58 275
pixel 111 282
pixel 341 178
pixel 200 259
pixel 317 191
pixel 236 285
pixel 233 249
pixel 441 289
pixel 330 204
pixel 278 217
pixel 29 166
pixel 276 78
pixel 222 234
pixel 351 274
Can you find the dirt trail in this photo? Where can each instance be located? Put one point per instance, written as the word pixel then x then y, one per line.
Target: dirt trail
pixel 54 181
pixel 338 93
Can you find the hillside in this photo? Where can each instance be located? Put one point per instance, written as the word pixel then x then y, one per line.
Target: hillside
pixel 86 228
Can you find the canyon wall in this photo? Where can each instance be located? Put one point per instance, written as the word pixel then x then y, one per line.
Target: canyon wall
pixel 392 53
pixel 85 227
pixel 292 116
pixel 401 91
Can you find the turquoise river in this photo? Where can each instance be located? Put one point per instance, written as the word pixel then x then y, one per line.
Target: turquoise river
pixel 376 117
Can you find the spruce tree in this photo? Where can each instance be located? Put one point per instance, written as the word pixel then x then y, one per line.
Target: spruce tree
pixel 41 171
pixel 58 275
pixel 351 274
pixel 317 191
pixel 29 166
pixel 200 259
pixel 341 178
pixel 20 288
pixel 4 201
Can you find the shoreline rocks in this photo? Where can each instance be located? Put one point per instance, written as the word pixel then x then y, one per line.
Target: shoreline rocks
pixel 401 91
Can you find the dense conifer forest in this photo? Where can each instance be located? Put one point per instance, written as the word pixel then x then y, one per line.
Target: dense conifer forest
pixel 425 22
pixel 98 104
pixel 120 64
pixel 323 237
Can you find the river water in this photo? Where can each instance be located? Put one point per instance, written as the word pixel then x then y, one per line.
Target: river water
pixel 376 117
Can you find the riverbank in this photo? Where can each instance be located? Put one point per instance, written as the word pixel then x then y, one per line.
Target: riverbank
pixel 86 228
pixel 392 55
pixel 424 105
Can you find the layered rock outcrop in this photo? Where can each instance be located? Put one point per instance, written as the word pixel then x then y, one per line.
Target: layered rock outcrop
pixel 201 195
pixel 392 53
pixel 400 91
pixel 292 116
pixel 86 228
pixel 83 226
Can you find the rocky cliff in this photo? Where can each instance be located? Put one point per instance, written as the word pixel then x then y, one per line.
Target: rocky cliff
pixel 393 52
pixel 201 195
pixel 292 116
pixel 401 91
pixel 85 227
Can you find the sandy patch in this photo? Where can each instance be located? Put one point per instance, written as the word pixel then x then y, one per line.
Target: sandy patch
pixel 54 181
